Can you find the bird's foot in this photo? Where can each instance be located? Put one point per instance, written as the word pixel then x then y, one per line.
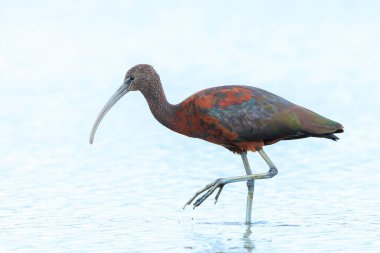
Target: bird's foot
pixel 210 188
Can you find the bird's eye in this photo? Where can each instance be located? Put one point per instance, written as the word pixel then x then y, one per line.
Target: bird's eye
pixel 131 78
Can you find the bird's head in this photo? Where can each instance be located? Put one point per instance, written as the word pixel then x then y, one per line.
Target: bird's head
pixel 141 77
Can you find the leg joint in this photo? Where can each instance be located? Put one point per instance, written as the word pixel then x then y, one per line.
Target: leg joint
pixel 272 171
pixel 250 183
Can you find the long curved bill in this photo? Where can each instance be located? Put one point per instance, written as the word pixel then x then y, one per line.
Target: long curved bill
pixel 124 89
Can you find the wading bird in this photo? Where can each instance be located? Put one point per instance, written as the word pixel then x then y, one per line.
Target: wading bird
pixel 239 118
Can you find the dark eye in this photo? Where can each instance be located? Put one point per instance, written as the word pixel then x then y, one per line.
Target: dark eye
pixel 131 78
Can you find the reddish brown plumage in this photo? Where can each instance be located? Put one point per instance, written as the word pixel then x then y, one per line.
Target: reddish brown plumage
pixel 192 118
pixel 222 115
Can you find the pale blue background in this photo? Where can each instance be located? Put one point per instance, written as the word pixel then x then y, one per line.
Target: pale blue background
pixel 60 61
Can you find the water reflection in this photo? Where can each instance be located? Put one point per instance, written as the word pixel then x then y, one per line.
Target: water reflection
pixel 247 241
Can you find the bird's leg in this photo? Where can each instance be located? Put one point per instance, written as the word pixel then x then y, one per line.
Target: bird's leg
pixel 221 182
pixel 251 188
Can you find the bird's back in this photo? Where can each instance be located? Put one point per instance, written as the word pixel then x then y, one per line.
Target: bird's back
pixel 233 115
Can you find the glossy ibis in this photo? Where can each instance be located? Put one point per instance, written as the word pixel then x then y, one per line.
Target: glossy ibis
pixel 239 118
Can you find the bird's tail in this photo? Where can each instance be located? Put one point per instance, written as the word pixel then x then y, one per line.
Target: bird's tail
pixel 330 136
pixel 315 125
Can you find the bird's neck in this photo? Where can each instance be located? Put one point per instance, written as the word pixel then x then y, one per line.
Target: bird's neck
pixel 161 109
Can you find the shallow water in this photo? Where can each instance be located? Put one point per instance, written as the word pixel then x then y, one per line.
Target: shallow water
pixel 125 193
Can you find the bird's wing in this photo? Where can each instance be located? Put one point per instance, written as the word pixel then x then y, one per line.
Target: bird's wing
pixel 251 114
pixel 256 114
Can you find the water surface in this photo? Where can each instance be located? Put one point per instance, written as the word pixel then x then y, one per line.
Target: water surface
pixel 125 193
